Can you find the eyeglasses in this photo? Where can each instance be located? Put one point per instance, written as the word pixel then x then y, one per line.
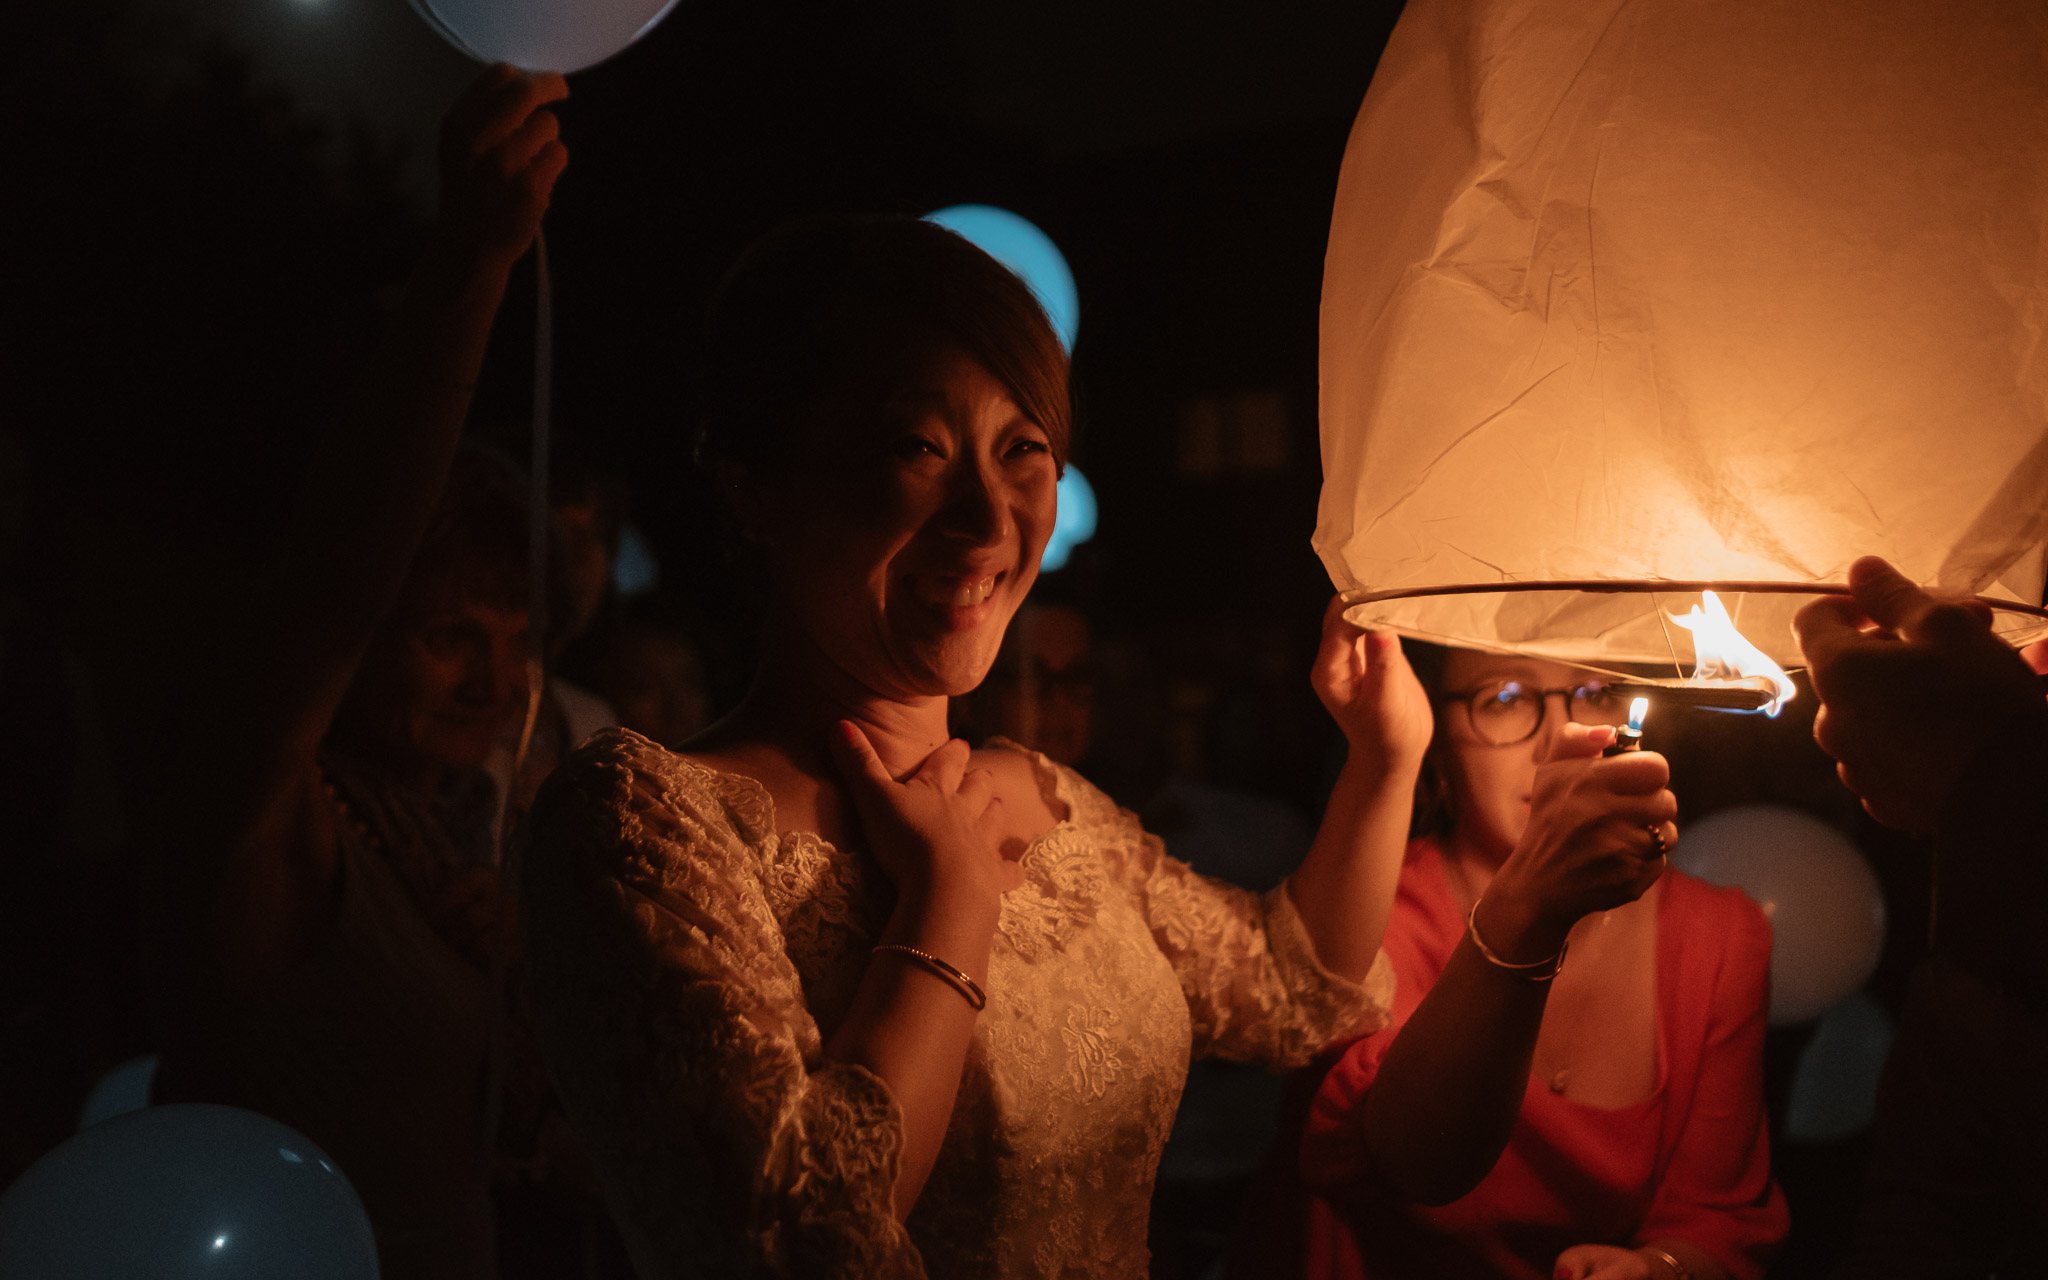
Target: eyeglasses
pixel 1505 712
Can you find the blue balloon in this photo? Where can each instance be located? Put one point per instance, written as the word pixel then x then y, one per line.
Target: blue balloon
pixel 1074 524
pixel 1834 1088
pixel 1029 253
pixel 185 1191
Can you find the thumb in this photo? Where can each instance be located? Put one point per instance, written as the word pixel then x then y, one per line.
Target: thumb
pixel 856 760
pixel 1576 742
pixel 1339 644
pixel 1572 1264
pixel 1886 596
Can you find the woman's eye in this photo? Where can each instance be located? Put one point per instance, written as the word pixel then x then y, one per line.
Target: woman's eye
pixel 911 447
pixel 1027 448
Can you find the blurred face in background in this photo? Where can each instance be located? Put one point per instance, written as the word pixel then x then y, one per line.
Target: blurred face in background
pixel 1042 690
pixel 444 678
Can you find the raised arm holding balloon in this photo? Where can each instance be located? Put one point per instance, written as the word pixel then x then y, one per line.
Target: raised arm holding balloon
pixel 304 978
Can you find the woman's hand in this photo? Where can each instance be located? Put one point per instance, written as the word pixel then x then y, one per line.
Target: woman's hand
pixel 1365 682
pixel 1603 1262
pixel 1598 831
pixel 500 156
pixel 936 832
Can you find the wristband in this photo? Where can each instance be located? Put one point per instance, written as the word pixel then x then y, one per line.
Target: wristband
pixel 1527 972
pixel 967 986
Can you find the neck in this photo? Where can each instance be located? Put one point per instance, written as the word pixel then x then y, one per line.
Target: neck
pixel 799 693
pixel 1472 861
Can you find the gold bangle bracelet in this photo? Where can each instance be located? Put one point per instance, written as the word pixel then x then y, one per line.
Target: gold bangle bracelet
pixel 1554 964
pixel 967 986
pixel 1679 1271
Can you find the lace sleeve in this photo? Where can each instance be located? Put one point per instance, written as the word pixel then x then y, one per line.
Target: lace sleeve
pixel 675 1027
pixel 1255 989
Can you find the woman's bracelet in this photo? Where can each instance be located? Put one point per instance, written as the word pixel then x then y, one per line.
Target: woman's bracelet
pixel 1679 1271
pixel 1550 968
pixel 968 986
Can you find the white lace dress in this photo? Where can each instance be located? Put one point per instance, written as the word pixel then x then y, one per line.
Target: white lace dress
pixel 689 963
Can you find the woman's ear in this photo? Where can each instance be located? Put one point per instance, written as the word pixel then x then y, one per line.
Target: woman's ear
pixel 745 496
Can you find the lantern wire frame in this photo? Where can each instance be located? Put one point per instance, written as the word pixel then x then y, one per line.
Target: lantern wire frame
pixel 1650 587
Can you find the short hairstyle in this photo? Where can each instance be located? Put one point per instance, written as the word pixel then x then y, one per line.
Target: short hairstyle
pixel 796 315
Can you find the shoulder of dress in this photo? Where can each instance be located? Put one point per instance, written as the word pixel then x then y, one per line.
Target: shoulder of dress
pixel 619 774
pixel 1086 805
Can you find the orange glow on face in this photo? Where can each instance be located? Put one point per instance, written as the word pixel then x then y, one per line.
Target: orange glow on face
pixel 1720 652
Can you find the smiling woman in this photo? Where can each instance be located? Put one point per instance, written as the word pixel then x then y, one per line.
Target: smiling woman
pixel 826 992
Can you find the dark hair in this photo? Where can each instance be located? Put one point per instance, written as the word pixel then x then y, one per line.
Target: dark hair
pixel 1435 810
pixel 802 308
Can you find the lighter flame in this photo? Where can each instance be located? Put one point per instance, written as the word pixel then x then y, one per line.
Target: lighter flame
pixel 1720 652
pixel 1638 711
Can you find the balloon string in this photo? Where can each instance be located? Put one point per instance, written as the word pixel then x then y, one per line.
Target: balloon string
pixel 513 837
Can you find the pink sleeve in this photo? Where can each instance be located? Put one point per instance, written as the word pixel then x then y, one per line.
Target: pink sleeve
pixel 1717 1190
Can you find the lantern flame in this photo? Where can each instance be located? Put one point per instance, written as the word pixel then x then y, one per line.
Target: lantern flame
pixel 1722 653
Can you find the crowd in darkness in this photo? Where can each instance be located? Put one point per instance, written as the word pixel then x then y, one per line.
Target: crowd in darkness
pixel 200 667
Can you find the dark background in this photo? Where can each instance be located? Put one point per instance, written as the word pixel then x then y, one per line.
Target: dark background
pixel 213 205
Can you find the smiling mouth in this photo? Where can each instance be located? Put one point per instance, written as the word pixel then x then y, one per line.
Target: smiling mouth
pixel 950 591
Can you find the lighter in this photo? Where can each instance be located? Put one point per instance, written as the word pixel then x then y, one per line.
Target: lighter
pixel 1630 736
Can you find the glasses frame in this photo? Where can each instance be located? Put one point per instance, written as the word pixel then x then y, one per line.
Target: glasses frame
pixel 1469 699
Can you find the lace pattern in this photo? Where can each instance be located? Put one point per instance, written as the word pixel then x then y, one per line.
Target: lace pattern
pixel 689 963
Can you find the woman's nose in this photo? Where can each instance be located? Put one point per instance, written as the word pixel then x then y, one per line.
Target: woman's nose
pixel 974 510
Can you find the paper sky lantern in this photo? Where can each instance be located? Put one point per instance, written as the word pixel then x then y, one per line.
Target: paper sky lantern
pixel 1623 299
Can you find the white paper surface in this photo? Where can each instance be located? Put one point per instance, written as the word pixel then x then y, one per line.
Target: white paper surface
pixel 1688 290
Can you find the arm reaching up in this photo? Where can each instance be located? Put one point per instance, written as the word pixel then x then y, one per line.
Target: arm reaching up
pixel 240 836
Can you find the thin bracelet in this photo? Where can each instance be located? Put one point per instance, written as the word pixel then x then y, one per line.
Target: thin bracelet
pixel 1679 1271
pixel 968 986
pixel 1527 971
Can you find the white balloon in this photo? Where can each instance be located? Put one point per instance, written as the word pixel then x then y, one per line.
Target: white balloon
pixel 543 35
pixel 1823 902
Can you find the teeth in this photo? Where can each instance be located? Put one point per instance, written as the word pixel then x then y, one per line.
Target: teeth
pixel 955 592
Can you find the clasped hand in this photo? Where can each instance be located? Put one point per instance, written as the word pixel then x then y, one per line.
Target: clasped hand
pixel 500 155
pixel 937 831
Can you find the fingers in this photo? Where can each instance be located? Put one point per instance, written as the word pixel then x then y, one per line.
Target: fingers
pixel 524 144
pixel 1633 773
pixel 1337 657
pixel 1887 596
pixel 1828 628
pixel 501 102
pixel 978 790
pixel 1574 1263
pixel 1576 742
pixel 855 756
pixel 946 766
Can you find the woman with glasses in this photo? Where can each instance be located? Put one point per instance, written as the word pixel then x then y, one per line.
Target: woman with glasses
pixel 1572 1083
